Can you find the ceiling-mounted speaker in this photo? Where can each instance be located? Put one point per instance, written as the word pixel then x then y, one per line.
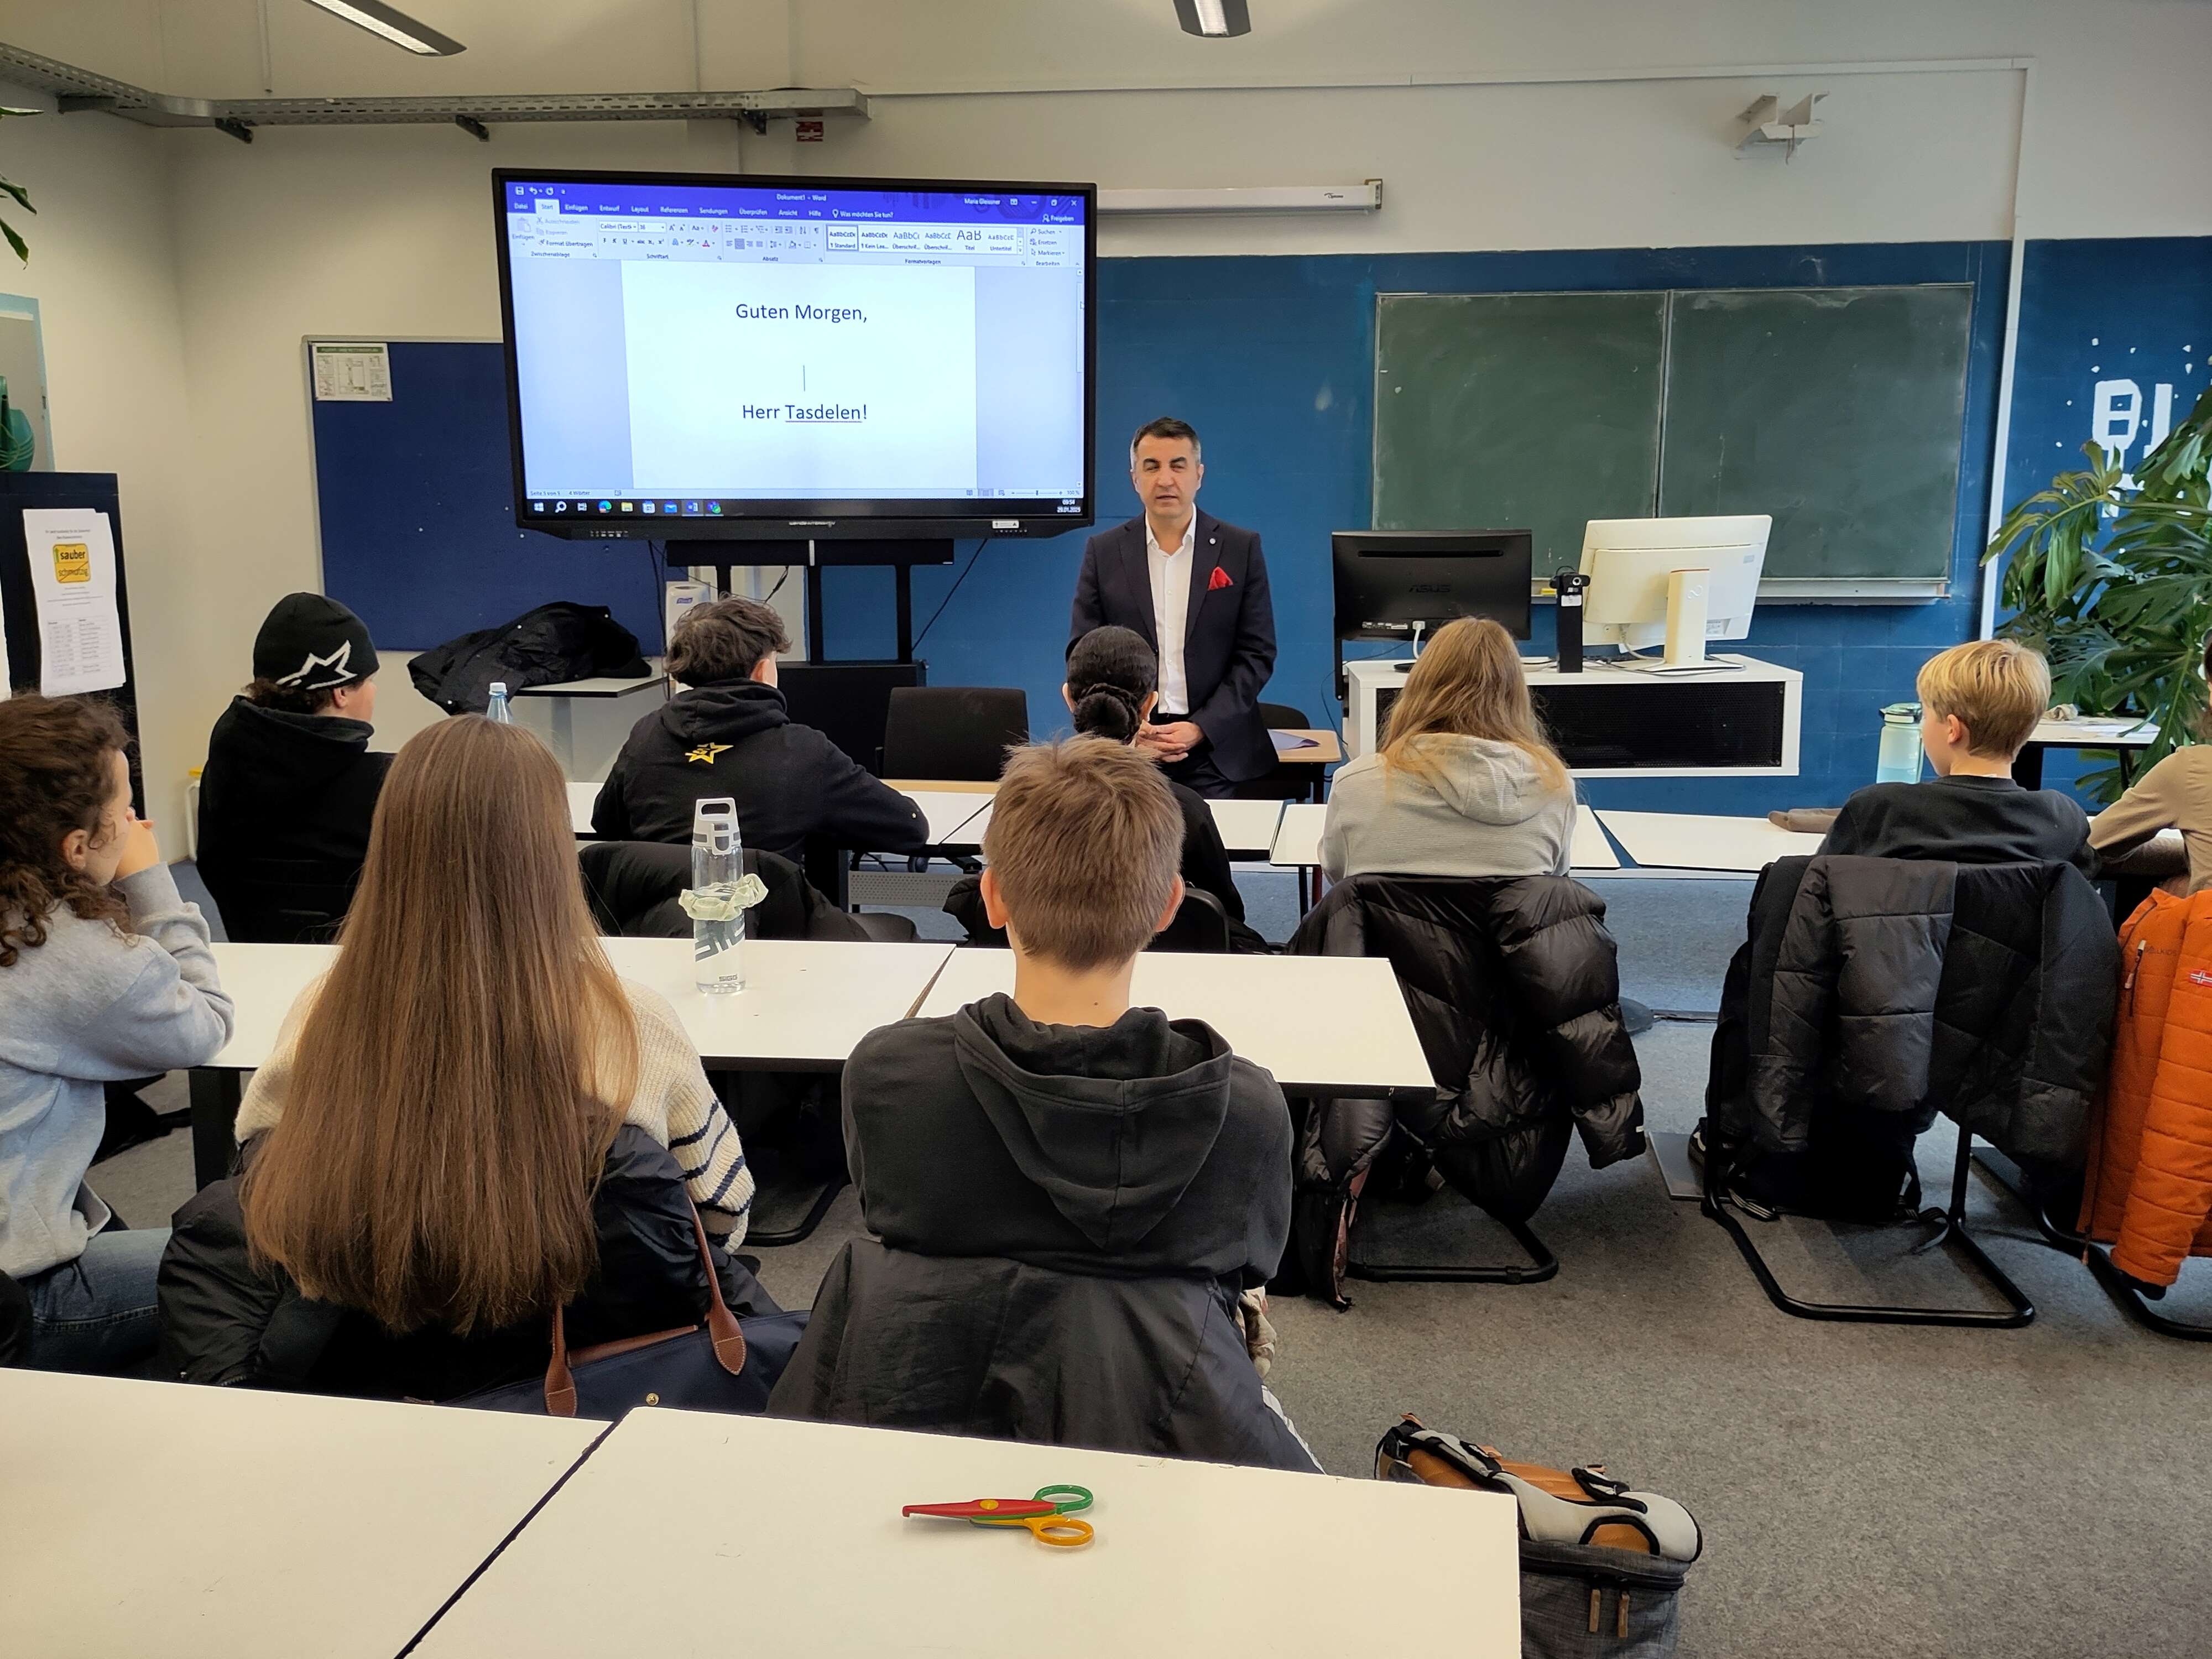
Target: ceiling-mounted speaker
pixel 1213 20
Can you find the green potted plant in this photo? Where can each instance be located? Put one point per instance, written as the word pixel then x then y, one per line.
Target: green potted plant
pixel 2112 582
pixel 19 197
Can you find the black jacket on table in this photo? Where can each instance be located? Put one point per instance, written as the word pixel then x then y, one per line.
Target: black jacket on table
pixel 224 1321
pixel 1514 987
pixel 789 781
pixel 285 806
pixel 1229 636
pixel 1063 1217
pixel 1891 989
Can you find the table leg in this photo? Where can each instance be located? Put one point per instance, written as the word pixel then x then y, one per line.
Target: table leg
pixel 565 735
pixel 214 1098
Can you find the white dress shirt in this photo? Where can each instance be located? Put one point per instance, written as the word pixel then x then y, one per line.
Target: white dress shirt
pixel 1171 575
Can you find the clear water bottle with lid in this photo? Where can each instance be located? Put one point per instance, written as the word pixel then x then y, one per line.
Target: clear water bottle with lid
pixel 716 901
pixel 496 710
pixel 1897 761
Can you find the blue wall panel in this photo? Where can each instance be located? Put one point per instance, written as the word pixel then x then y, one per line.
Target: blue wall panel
pixel 1272 360
pixel 416 507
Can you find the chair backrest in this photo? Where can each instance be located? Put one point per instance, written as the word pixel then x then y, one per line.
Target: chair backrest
pixel 954 731
pixel 635 889
pixel 1281 717
pixel 1200 925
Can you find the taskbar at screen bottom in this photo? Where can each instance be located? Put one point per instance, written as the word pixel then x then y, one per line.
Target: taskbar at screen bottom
pixel 796 514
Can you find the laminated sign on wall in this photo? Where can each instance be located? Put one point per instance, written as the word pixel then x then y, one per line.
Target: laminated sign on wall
pixel 348 372
pixel 71 551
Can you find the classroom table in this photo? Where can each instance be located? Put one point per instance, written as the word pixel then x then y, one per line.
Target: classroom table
pixel 1692 840
pixel 805 1005
pixel 1334 1025
pixel 232 1523
pixel 958 814
pixel 2124 735
pixel 789 1540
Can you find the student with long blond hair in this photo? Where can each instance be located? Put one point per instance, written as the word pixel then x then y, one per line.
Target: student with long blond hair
pixel 469 1121
pixel 1465 784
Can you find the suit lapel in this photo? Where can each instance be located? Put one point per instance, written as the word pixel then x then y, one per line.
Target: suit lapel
pixel 1205 560
pixel 1137 571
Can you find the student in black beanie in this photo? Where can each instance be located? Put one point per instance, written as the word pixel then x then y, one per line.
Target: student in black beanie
pixel 290 783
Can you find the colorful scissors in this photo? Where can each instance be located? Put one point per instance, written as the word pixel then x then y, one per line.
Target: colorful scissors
pixel 1047 1516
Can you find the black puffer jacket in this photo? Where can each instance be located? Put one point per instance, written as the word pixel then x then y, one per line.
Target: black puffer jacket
pixel 226 1322
pixel 1065 1215
pixel 635 890
pixel 1895 989
pixel 554 642
pixel 1515 989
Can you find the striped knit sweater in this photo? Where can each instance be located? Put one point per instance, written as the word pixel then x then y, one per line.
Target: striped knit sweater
pixel 672 1102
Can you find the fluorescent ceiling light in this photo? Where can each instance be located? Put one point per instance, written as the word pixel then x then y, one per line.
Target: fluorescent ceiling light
pixel 1214 19
pixel 392 25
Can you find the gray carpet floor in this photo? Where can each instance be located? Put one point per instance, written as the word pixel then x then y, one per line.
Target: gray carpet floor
pixel 1863 1490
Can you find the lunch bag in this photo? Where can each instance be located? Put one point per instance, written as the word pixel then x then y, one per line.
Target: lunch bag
pixel 725 1364
pixel 1601 1567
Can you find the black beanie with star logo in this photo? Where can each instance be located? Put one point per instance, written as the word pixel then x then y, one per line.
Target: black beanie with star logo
pixel 311 643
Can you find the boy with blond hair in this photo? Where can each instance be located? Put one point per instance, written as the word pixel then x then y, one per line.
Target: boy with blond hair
pixel 1069 1196
pixel 1979 705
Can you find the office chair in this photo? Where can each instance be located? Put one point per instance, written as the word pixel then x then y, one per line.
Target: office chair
pixel 954 732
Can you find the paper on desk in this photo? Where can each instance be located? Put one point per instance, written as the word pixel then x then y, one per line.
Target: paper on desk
pixel 72 555
pixel 7 677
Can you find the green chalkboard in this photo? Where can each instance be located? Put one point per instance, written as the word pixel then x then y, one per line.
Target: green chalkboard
pixel 1838 410
pixel 1505 411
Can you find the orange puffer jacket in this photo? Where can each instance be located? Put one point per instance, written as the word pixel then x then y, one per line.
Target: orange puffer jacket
pixel 2148 1184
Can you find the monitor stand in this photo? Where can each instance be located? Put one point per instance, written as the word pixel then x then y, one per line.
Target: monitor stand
pixel 1686 594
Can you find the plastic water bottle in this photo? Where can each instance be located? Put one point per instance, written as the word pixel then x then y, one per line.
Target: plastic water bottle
pixel 496 710
pixel 1898 758
pixel 718 865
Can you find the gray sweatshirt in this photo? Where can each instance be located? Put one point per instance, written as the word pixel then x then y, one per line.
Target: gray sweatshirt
pixel 1492 815
pixel 86 1008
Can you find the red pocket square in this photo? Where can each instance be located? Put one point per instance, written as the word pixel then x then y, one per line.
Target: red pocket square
pixel 1218 581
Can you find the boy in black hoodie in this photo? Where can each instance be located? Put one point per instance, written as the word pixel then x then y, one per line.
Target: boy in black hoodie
pixel 729 734
pixel 291 784
pixel 1069 1195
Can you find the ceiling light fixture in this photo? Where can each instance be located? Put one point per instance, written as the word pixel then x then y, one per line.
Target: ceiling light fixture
pixel 393 25
pixel 1213 20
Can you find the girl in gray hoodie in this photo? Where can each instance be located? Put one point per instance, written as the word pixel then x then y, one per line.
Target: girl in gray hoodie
pixel 1466 784
pixel 105 974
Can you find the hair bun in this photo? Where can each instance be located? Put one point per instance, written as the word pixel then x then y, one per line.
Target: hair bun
pixel 1107 711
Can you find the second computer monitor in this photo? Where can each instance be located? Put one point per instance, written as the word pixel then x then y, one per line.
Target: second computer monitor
pixel 1388 581
pixel 1628 562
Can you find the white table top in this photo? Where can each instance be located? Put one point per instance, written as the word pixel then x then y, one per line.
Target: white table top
pixel 1322 1024
pixel 806 1004
pixel 2094 731
pixel 1298 841
pixel 1690 841
pixel 799 1523
pixel 959 818
pixel 156 1518
pixel 599 685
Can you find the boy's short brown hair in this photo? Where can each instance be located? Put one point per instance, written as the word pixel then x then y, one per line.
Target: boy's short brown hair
pixel 723 642
pixel 1085 841
pixel 1998 689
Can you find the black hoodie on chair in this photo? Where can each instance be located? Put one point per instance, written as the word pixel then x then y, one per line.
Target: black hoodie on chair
pixel 1063 1217
pixel 285 804
pixel 789 781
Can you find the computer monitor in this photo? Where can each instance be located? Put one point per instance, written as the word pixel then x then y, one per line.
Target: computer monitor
pixel 1644 589
pixel 1390 582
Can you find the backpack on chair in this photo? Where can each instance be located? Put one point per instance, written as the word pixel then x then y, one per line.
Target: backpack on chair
pixel 1601 1567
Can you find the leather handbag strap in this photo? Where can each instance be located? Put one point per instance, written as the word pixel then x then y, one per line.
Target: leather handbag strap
pixel 722 1327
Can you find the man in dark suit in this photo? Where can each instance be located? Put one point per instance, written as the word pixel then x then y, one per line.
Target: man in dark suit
pixel 1197 589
